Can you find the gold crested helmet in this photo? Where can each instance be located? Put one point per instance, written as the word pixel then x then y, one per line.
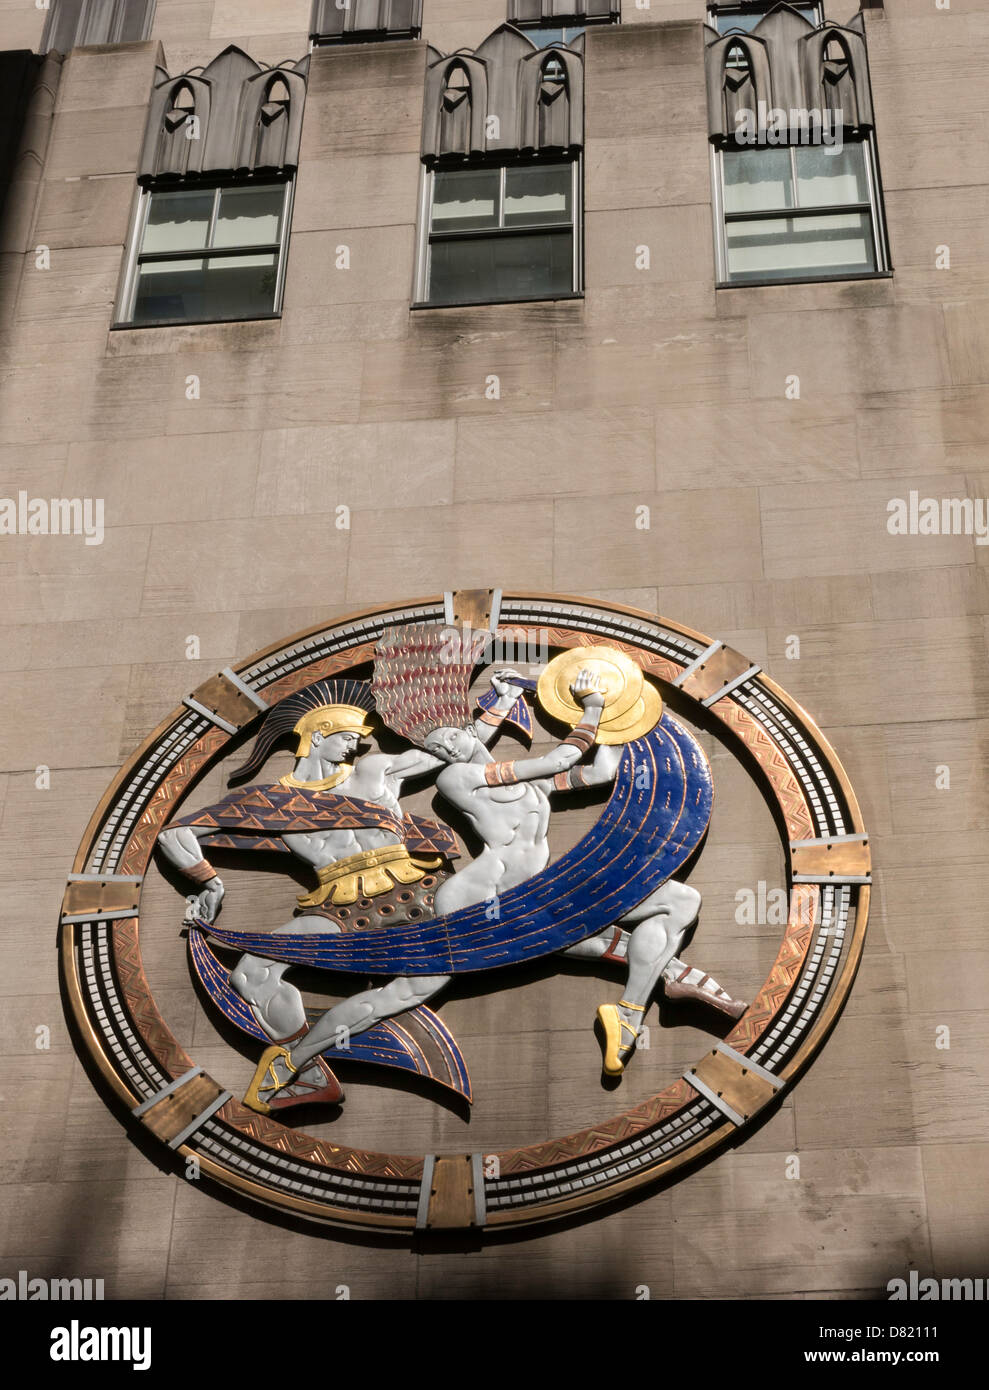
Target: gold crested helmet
pixel 327 707
pixel 330 719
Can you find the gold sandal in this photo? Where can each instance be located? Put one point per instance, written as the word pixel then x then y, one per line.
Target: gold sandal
pixel 266 1081
pixel 613 1023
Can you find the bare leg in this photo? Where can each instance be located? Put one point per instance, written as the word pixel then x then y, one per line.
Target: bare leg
pixel 651 947
pixel 657 928
pixel 282 1068
pixel 362 1011
pixel 680 980
pixel 293 1064
pixel 594 947
pixel 278 1007
pixel 276 1004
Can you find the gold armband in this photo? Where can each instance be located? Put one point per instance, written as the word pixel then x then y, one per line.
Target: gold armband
pixel 490 716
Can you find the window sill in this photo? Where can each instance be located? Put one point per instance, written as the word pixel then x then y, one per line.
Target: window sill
pixel 190 323
pixel 498 303
pixel 803 280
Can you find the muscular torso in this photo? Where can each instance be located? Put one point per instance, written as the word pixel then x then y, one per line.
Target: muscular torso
pixel 370 781
pixel 512 821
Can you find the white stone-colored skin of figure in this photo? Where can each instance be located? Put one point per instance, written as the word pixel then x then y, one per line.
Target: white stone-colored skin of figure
pixel 512 821
pixel 275 1002
pixel 513 829
pixel 378 778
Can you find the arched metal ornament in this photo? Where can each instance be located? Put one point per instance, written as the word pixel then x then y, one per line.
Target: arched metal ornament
pixel 786 1023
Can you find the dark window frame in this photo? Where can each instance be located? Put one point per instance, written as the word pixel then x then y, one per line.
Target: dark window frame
pixel 429 237
pixel 873 209
pixel 126 301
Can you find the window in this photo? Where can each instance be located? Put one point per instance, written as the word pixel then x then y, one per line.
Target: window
pixel 204 254
pixel 72 22
pixel 498 233
pixel 543 38
pixel 546 16
pixel 364 21
pixel 803 212
pixel 724 18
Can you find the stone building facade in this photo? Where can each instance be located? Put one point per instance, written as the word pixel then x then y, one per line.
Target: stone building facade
pixel 650 432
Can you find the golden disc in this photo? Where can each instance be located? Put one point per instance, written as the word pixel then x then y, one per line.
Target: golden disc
pixel 641 719
pixel 620 679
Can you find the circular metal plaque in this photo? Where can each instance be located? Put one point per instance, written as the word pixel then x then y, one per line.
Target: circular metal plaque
pixel 726 1090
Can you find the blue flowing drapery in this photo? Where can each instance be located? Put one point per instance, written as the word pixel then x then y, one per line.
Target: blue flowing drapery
pixel 657 814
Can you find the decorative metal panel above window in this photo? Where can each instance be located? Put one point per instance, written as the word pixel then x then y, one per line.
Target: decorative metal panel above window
pixel 233 118
pixel 506 97
pixel 364 21
pixel 744 15
pixel 220 150
pixel 71 23
pixel 787 62
pixel 503 128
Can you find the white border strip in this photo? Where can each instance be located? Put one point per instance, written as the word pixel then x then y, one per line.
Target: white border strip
pixel 425 1191
pixel 714 1098
pixel 72 918
pixel 754 1067
pixel 732 685
pixel 104 878
pixel 166 1091
pixel 828 840
pixel 252 695
pixel 192 704
pixel 831 878
pixel 495 610
pixel 200 1120
pixel 705 655
pixel 480 1204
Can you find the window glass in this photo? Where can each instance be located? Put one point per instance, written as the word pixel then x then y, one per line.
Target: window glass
pixel 241 286
pixel 250 216
pixel 541 195
pixel 466 198
pixel 788 248
pixel 233 278
pixel 208 289
pixel 758 179
pixel 831 176
pixel 168 290
pixel 501 268
pixel 542 38
pixel 178 221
